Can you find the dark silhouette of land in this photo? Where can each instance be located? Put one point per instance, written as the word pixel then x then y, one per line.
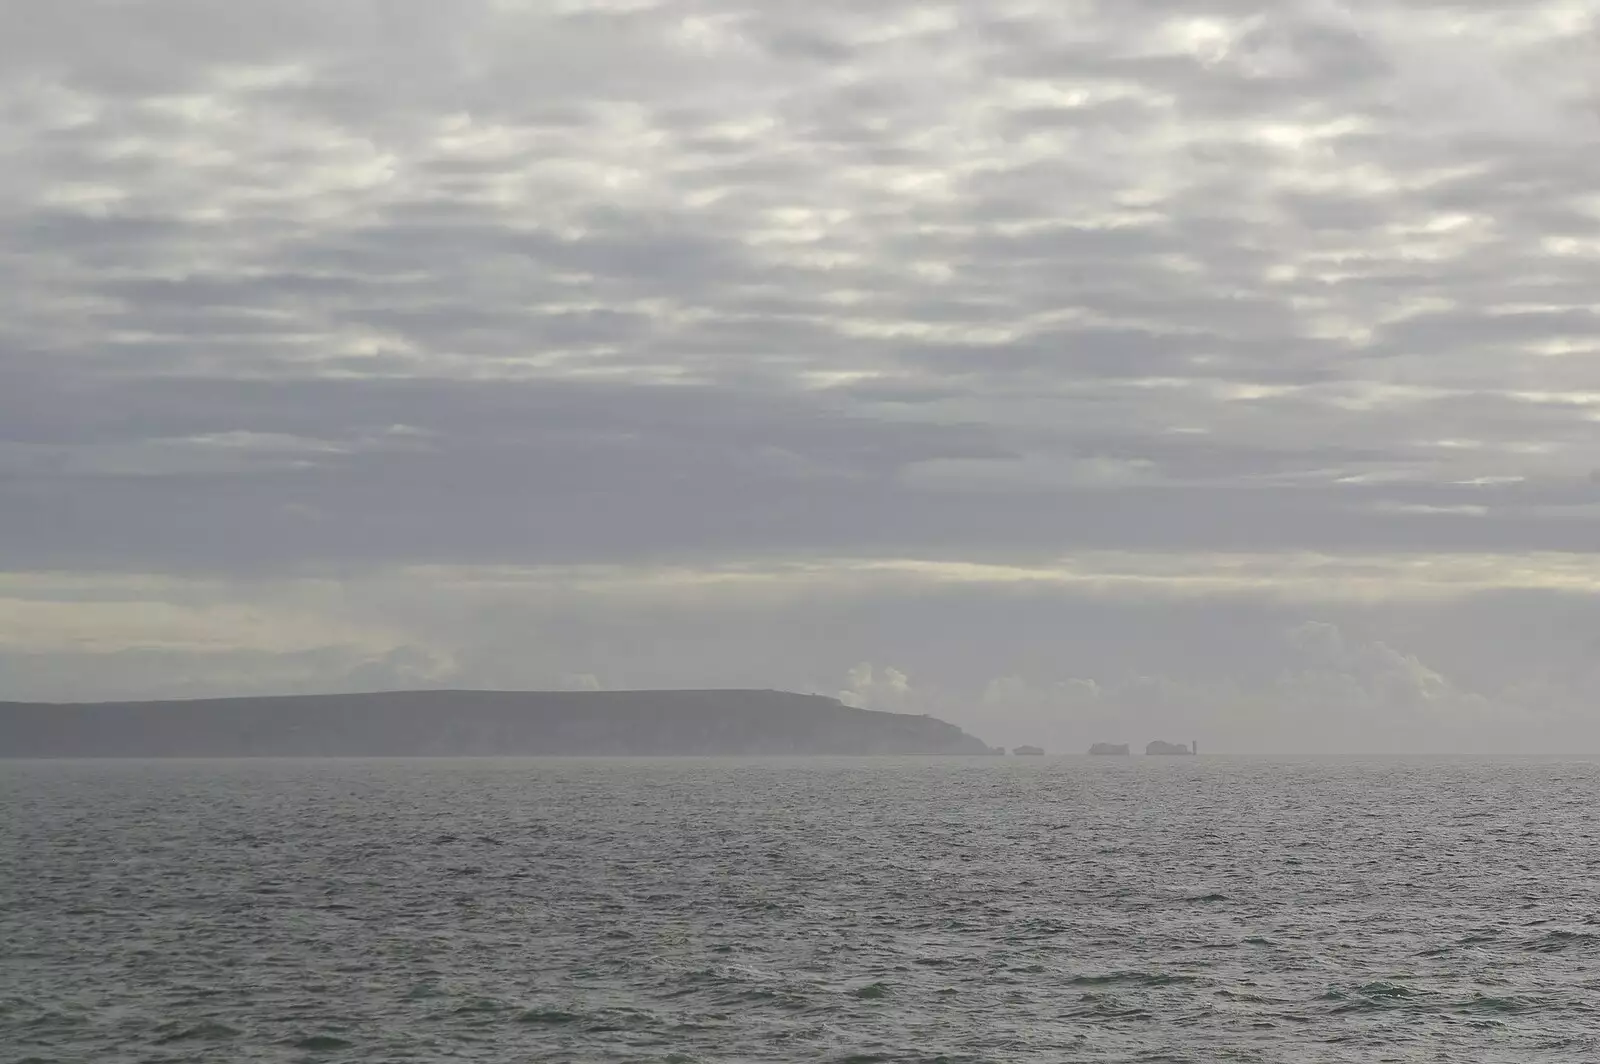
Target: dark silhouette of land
pixel 470 723
pixel 1109 749
pixel 1158 747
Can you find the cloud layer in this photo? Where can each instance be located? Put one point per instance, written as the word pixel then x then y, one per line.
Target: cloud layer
pixel 1173 294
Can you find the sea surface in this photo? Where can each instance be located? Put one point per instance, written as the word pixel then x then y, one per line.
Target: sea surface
pixel 883 910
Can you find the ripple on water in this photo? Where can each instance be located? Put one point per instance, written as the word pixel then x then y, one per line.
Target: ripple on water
pixel 321 1043
pixel 1132 979
pixel 895 911
pixel 209 1031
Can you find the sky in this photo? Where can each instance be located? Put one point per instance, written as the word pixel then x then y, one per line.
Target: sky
pixel 1074 370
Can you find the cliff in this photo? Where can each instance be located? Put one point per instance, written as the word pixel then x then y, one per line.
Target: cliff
pixel 1159 747
pixel 452 723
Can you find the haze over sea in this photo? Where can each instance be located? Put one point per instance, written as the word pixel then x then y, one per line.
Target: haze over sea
pixel 894 910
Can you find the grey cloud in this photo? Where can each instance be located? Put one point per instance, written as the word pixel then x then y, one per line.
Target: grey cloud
pixel 394 283
pixel 1240 672
pixel 71 677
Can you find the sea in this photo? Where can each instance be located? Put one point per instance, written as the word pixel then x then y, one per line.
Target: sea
pixel 1056 909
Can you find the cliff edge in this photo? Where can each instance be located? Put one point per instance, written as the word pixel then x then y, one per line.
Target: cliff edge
pixel 472 723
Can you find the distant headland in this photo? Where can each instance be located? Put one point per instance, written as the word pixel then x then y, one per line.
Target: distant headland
pixel 1109 749
pixel 476 723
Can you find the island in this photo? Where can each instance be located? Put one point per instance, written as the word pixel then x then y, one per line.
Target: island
pixel 1163 749
pixel 1111 749
pixel 1028 751
pixel 475 723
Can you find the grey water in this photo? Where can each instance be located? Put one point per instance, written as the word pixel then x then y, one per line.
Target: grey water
pixel 985 909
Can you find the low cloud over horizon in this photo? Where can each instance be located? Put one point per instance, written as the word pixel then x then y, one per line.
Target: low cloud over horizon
pixel 1099 370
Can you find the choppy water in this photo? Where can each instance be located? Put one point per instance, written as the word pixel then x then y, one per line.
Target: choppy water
pixel 966 910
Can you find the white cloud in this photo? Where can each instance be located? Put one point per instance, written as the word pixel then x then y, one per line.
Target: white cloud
pixel 1374 689
pixel 884 688
pixel 581 681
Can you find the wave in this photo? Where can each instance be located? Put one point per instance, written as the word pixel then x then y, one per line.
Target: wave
pixel 1559 941
pixel 1133 979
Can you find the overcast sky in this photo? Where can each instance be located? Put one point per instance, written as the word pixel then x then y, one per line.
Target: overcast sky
pixel 1107 369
